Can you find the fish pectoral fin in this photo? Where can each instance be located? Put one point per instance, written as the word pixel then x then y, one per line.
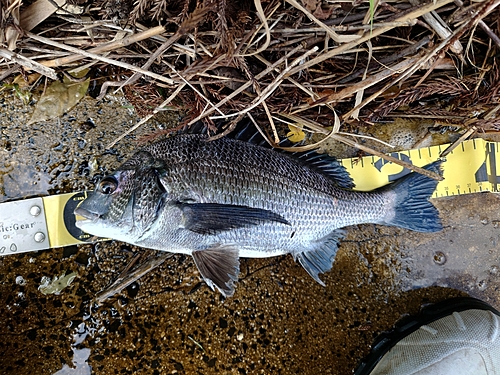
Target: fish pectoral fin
pixel 211 218
pixel 320 259
pixel 219 266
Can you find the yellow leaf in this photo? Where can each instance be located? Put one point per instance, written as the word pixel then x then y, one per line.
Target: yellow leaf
pixel 296 134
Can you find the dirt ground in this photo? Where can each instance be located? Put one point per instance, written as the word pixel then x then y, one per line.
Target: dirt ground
pixel 279 321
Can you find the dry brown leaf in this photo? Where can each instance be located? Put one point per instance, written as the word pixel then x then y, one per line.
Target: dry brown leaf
pixel 59 98
pixel 323 13
pixel 311 5
pixel 317 10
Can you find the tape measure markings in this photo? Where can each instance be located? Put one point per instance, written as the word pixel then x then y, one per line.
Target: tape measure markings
pixel 469 169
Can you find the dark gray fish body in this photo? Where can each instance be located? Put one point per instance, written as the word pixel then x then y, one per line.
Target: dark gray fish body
pixel 226 199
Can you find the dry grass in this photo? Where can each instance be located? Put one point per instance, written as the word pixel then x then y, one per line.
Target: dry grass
pixel 309 60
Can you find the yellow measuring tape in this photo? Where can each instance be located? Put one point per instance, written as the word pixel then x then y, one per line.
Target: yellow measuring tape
pixel 61 227
pixel 471 167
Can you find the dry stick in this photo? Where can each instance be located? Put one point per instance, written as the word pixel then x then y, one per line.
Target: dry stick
pixel 483 26
pixel 346 47
pixel 332 34
pixel 490 6
pixel 100 58
pixel 462 138
pixel 271 122
pixel 310 93
pixel 263 19
pixel 335 128
pixel 348 91
pixel 28 63
pixel 122 282
pixel 490 33
pixel 8 72
pixel 273 86
pixel 375 32
pixel 246 85
pixel 106 47
pixel 370 27
pixel 162 105
pixel 135 77
pixel 184 28
pixel 148 117
pixel 360 93
pixel 194 89
pixel 440 28
pixel 410 50
pixel 229 129
pixel 265 34
pixel 320 129
pixel 430 69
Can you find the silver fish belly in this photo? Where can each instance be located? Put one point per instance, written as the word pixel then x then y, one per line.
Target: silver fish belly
pixel 225 199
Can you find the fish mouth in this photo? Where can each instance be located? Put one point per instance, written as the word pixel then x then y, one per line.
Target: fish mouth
pixel 86 214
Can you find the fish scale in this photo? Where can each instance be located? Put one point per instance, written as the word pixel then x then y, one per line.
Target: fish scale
pixel 225 199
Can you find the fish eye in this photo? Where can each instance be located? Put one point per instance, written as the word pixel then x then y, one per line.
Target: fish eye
pixel 108 185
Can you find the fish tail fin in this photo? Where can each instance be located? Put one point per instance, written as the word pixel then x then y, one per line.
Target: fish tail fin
pixel 412 209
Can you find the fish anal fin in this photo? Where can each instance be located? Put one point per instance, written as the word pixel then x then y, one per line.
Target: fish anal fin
pixel 212 218
pixel 320 259
pixel 219 266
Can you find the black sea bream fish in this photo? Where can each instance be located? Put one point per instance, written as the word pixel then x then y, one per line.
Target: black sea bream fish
pixel 225 199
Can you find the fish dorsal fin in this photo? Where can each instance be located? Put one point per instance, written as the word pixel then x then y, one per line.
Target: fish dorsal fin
pixel 219 266
pixel 325 164
pixel 322 163
pixel 212 218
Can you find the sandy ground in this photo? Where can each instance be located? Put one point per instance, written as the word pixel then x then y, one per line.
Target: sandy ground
pixel 279 320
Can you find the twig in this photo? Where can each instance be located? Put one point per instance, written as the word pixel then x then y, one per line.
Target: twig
pixel 246 85
pixel 483 26
pixel 269 89
pixel 351 90
pixel 149 33
pixel 123 281
pixel 375 32
pixel 136 76
pixel 28 63
pixel 462 138
pixel 320 129
pixel 164 104
pixel 332 34
pixel 440 27
pixel 487 8
pixel 100 58
pixel 263 19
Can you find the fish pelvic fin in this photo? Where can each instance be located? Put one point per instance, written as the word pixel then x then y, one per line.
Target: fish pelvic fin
pixel 219 266
pixel 321 258
pixel 412 209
